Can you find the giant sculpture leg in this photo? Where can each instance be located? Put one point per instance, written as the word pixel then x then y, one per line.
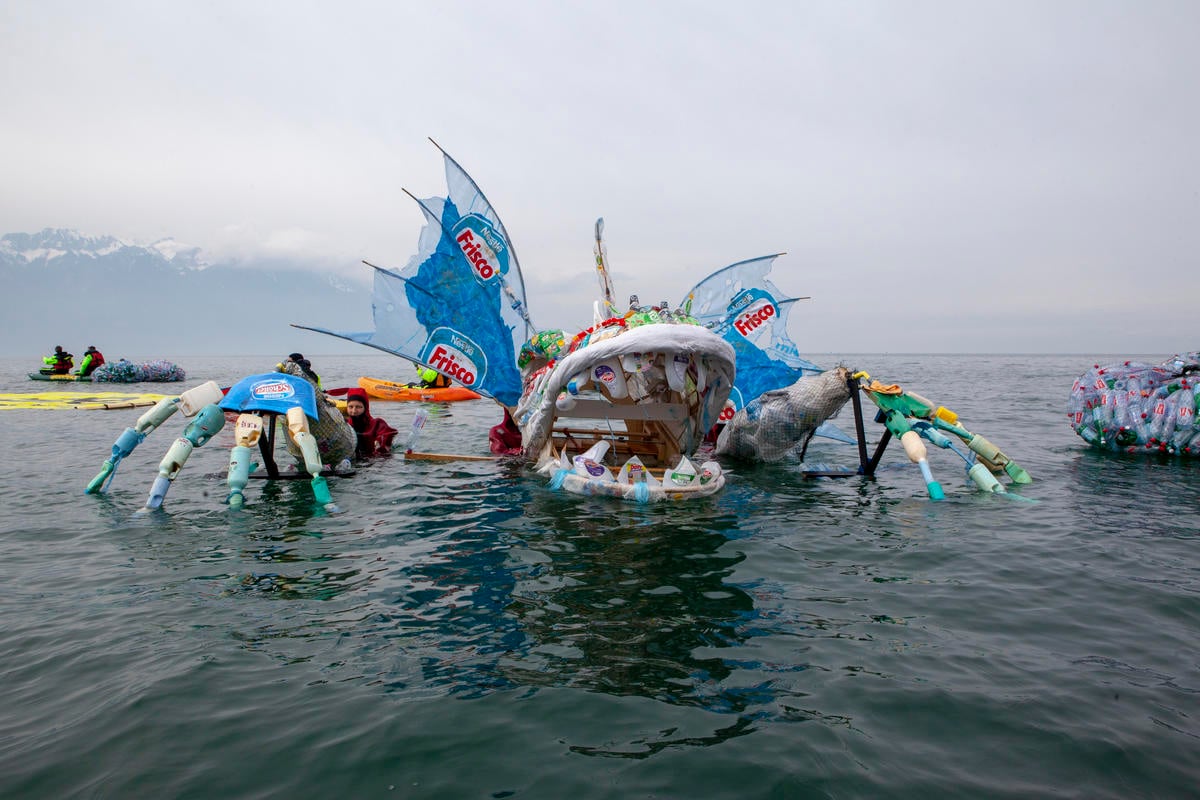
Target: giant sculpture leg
pixel 914 448
pixel 988 453
pixel 247 433
pixel 207 423
pixel 298 429
pixel 188 402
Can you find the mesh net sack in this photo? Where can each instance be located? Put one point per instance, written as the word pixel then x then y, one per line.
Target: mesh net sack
pixel 781 421
pixel 336 439
pixel 1133 406
pixel 129 372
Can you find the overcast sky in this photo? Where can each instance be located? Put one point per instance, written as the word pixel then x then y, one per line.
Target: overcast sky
pixel 943 176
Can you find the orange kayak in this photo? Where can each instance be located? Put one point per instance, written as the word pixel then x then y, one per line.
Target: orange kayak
pixel 387 390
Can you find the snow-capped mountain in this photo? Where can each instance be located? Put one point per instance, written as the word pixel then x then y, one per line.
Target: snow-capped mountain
pixel 56 244
pixel 159 299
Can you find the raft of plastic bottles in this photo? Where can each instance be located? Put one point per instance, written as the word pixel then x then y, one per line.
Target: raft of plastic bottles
pixel 123 371
pixel 1137 407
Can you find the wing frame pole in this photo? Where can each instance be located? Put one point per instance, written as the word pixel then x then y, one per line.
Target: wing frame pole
pixel 515 302
pixel 530 328
pixel 606 287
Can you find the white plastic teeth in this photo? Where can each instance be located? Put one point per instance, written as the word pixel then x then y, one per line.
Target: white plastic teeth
pixel 588 464
pixel 684 474
pixel 676 366
pixel 611 376
pixel 634 471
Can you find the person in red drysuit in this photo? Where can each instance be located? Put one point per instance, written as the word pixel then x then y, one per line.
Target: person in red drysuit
pixel 374 435
pixel 505 439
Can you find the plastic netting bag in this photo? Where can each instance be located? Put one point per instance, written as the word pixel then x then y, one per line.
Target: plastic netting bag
pixel 129 372
pixel 779 422
pixel 1133 406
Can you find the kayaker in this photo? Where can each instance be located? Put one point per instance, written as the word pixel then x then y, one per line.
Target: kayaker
pixel 374 435
pixel 92 358
pixel 505 439
pixel 60 361
pixel 431 378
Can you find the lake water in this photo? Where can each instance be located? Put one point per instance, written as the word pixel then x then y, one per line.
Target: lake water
pixel 461 631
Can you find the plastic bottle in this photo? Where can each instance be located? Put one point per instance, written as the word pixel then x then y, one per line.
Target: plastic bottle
pixel 1121 410
pixel 1126 437
pixel 634 471
pixel 1102 412
pixel 588 464
pixel 1160 415
pixel 1185 417
pixel 196 398
pixel 414 431
pixel 609 375
pixel 1183 413
pixel 1075 403
pixel 676 366
pixel 1088 434
pixel 709 472
pixel 1134 401
pixel 578 382
pixel 701 375
pixel 636 362
pixel 684 474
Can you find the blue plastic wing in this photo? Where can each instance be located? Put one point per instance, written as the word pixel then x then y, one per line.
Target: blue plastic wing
pixel 458 306
pixel 748 311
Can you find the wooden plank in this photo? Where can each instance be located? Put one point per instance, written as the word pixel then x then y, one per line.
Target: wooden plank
pixel 113 406
pixel 603 409
pixel 647 445
pixel 414 456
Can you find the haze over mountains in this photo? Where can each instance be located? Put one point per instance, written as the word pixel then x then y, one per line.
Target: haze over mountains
pixel 164 300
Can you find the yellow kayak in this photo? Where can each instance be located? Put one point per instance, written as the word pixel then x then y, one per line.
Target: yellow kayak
pixel 387 390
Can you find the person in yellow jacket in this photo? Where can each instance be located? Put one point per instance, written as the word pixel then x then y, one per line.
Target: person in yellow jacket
pixel 92 358
pixel 59 362
pixel 431 378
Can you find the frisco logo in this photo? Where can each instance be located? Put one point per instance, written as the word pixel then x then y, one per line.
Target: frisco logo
pixel 605 373
pixel 272 390
pixel 455 356
pixel 480 246
pixel 754 316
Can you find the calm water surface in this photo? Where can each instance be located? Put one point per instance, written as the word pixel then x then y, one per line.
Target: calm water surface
pixel 460 631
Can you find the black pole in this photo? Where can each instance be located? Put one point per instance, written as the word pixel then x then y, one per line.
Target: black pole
pixel 266 446
pixel 883 443
pixel 852 382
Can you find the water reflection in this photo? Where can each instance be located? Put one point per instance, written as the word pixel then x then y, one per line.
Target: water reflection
pixel 1131 494
pixel 620 601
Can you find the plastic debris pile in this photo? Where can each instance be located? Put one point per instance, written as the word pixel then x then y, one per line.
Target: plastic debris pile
pixel 1137 407
pixel 586 474
pixel 781 421
pixel 146 371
